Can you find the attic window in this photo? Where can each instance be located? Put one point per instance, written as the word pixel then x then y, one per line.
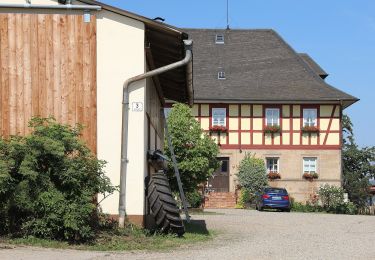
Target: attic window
pixel 219 39
pixel 221 75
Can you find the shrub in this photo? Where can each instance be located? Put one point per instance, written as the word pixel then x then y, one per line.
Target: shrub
pixel 243 199
pixel 252 174
pixel 194 199
pixel 48 181
pixel 331 196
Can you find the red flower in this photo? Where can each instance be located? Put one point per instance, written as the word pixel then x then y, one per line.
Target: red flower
pixel 274 175
pixel 271 129
pixel 218 128
pixel 310 129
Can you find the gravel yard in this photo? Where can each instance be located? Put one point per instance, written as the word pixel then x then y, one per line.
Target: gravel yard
pixel 248 234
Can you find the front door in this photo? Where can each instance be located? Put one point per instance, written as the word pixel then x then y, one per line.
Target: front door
pixel 219 182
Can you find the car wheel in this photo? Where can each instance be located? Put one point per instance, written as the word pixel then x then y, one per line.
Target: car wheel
pixel 287 210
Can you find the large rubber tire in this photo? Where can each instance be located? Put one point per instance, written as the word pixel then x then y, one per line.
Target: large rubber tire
pixel 163 206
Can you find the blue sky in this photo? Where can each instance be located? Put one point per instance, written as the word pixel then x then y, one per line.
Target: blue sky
pixel 338 34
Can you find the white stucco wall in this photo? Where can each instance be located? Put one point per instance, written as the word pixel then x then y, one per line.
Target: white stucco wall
pixel 120 55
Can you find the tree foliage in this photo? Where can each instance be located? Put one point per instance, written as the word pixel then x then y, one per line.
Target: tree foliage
pixel 252 174
pixel 195 151
pixel 358 165
pixel 48 181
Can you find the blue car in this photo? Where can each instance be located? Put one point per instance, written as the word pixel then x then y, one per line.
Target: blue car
pixel 273 198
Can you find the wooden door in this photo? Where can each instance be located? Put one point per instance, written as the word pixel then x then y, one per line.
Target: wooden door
pixel 219 182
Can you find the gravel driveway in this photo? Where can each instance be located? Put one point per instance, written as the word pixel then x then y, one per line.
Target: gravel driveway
pixel 248 234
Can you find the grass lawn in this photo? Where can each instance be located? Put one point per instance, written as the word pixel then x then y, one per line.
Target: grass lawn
pixel 130 238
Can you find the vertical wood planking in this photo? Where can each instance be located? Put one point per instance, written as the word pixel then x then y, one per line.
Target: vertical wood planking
pixel 47 68
pixel 20 112
pixel 42 78
pixel 4 83
pixel 79 70
pixel 12 74
pixel 64 37
pixel 27 85
pixel 34 65
pixel 93 111
pixel 86 81
pixel 1 74
pixel 56 67
pixel 71 62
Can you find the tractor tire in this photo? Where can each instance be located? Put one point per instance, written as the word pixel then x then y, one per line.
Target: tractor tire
pixel 163 206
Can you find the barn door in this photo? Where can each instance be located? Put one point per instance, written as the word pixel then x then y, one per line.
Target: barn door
pixel 47 68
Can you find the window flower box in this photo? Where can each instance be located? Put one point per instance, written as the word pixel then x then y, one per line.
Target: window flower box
pixel 273 175
pixel 310 176
pixel 218 129
pixel 270 129
pixel 310 129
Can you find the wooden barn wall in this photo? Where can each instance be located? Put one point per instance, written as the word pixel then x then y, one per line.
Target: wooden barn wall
pixel 47 68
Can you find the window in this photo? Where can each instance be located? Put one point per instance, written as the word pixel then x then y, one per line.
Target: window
pixel 310 117
pixel 224 165
pixel 219 39
pixel 221 75
pixel 272 164
pixel 219 116
pixel 167 111
pixel 309 164
pixel 272 116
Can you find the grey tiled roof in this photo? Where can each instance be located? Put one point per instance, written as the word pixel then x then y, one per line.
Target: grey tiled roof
pixel 259 67
pixel 313 65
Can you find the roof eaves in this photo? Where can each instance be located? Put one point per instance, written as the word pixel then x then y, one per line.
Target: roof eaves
pixel 278 101
pixel 147 21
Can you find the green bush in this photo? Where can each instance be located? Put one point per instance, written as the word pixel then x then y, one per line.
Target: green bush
pixel 194 199
pixel 331 196
pixel 48 181
pixel 243 199
pixel 332 199
pixel 252 174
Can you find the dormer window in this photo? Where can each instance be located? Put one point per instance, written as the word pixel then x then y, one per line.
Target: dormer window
pixel 221 75
pixel 219 39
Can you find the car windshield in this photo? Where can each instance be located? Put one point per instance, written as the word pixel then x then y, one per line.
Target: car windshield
pixel 276 191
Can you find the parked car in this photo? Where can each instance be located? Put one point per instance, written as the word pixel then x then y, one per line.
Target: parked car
pixel 273 198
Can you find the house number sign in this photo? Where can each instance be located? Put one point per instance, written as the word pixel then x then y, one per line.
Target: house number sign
pixel 137 106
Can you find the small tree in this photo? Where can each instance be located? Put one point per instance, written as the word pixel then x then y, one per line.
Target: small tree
pixel 358 166
pixel 252 174
pixel 195 151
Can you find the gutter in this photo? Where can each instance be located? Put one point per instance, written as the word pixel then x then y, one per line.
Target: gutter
pixel 59 7
pixel 125 122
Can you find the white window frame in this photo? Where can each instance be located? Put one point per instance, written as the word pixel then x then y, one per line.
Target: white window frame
pixel 274 121
pixel 221 75
pixel 309 169
pixel 277 164
pixel 222 121
pixel 219 38
pixel 310 121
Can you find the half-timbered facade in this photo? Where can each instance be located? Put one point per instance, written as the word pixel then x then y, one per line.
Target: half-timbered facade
pixel 254 93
